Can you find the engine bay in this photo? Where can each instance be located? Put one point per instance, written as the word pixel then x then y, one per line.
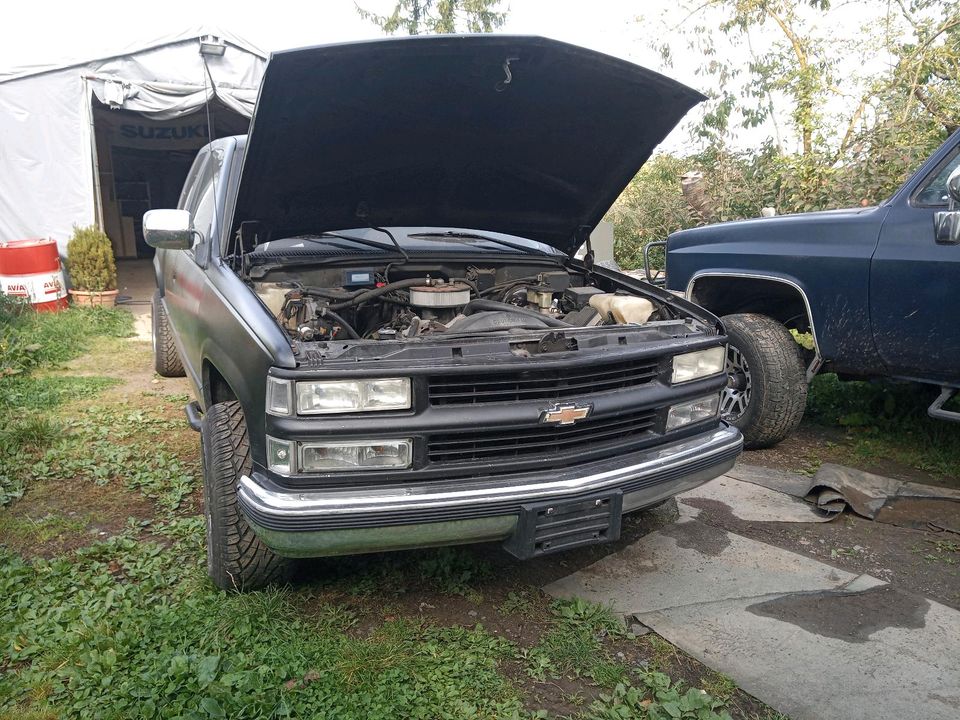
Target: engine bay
pixel 408 302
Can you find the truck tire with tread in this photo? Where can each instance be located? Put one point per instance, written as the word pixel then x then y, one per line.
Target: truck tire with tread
pixel 236 558
pixel 765 362
pixel 166 359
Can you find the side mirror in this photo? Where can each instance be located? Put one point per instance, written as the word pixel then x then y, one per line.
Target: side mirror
pixel 946 227
pixel 168 229
pixel 946 224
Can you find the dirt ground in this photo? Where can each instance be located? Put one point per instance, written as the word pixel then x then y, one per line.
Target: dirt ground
pixel 507 601
pixel 811 445
pixel 925 561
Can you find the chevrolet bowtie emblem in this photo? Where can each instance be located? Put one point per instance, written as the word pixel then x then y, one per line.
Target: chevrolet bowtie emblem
pixel 565 414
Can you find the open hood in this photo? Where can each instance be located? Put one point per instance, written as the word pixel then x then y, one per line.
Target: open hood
pixel 520 135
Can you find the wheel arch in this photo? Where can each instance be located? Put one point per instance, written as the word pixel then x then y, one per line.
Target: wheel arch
pixel 216 387
pixel 783 299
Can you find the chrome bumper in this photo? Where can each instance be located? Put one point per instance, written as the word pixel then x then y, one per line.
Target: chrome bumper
pixel 351 520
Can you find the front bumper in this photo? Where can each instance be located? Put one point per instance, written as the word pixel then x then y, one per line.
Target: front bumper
pixel 342 521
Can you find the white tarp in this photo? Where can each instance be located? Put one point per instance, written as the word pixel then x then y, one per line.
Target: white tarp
pixel 46 148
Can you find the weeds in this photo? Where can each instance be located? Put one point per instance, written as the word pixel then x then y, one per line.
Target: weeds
pixel 887 421
pixel 133 629
pixel 519 603
pixel 943 551
pixel 574 644
pixel 452 570
pixel 719 686
pixel 658 699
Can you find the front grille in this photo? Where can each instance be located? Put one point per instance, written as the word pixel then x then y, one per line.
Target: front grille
pixel 547 440
pixel 540 384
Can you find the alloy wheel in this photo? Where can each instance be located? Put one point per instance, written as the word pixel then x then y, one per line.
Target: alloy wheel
pixel 736 396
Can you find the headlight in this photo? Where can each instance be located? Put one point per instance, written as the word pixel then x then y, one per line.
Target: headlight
pixel 692 411
pixel 323 397
pixel 343 456
pixel 701 363
pixel 338 396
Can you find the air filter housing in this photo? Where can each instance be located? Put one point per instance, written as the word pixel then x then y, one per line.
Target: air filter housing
pixel 441 295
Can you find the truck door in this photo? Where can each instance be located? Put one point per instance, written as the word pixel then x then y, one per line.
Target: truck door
pixel 915 283
pixel 185 283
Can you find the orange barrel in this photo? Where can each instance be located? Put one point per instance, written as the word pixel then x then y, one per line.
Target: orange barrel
pixel 31 269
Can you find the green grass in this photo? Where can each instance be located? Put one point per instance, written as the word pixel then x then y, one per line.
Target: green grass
pixel 21 393
pixel 130 626
pixel 98 444
pixel 134 629
pixel 573 645
pixel 29 340
pixel 42 529
pixel 719 686
pixel 887 421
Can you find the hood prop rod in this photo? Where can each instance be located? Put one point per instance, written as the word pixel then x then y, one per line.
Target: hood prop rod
pixel 581 237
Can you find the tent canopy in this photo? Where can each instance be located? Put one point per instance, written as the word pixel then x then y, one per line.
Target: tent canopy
pixel 47 149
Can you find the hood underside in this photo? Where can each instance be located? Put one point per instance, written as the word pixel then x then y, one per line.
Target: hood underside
pixel 520 135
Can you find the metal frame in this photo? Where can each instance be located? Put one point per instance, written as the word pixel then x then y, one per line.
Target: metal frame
pixel 936 410
pixel 662 279
pixel 94 156
pixel 814 367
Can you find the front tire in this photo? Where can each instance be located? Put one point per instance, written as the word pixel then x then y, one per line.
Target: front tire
pixel 166 359
pixel 236 558
pixel 767 389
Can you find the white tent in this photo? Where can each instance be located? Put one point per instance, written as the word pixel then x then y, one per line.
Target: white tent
pixel 99 141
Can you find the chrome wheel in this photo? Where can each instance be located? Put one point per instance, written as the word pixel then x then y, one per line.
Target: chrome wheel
pixel 736 396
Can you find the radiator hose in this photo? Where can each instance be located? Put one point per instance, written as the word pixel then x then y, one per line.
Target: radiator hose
pixel 480 305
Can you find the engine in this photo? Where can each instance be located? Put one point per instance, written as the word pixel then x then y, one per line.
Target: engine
pixel 366 305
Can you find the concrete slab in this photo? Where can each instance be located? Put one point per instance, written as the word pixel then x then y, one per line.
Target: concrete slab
pixel 808 639
pixel 690 563
pixel 754 503
pixel 880 654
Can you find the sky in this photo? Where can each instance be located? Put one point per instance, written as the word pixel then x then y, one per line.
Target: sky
pixel 85 30
pixel 92 29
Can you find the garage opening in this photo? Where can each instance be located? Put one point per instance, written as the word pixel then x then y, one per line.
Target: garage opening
pixel 142 164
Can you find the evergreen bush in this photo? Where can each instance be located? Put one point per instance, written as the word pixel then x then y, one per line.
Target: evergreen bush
pixel 90 260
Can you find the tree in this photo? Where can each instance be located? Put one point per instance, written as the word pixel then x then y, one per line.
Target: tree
pixel 415 17
pixel 854 95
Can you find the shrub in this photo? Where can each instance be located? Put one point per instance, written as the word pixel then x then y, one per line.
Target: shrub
pixel 90 260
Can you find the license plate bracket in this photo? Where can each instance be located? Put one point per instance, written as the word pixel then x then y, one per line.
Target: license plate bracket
pixel 548 527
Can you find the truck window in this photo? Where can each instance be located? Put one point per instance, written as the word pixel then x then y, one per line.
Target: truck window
pixel 189 191
pixel 933 192
pixel 203 214
pixel 201 200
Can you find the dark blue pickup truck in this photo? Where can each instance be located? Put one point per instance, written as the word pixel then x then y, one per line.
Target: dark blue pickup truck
pixel 878 289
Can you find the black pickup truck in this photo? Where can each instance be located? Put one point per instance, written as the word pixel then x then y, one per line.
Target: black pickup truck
pixel 376 299
pixel 877 289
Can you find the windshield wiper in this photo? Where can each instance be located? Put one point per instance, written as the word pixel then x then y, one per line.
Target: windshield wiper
pixel 476 236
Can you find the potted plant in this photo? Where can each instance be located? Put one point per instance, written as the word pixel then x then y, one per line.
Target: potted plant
pixel 93 270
